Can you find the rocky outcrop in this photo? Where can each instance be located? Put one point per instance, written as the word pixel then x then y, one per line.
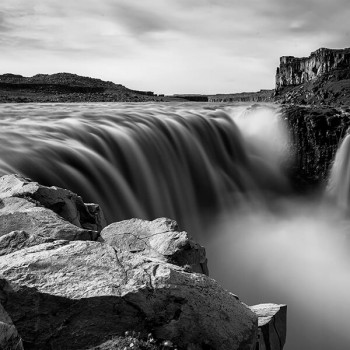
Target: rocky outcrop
pixel 315 135
pixel 272 326
pixel 66 290
pixel 322 78
pixel 295 71
pixel 31 214
pixel 63 202
pixel 157 239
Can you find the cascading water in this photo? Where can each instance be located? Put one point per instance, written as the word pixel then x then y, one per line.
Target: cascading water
pixel 136 161
pixel 216 169
pixel 338 188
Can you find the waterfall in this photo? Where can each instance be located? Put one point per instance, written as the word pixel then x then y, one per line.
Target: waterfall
pixel 338 187
pixel 217 170
pixel 145 161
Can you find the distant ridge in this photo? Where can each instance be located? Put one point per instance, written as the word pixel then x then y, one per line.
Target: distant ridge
pixel 66 87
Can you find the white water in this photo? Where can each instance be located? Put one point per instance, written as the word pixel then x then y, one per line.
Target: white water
pixel 216 170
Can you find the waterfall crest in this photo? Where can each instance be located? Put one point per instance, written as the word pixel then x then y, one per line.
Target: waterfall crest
pixel 143 160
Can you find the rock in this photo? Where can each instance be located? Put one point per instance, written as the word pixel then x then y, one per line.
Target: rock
pixel 23 223
pixel 295 71
pixel 9 338
pixel 81 293
pixel 315 133
pixel 32 214
pixel 63 202
pixel 158 239
pixel 272 321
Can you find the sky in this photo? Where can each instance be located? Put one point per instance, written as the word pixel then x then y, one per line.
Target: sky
pixel 168 46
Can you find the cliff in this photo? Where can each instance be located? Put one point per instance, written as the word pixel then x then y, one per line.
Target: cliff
pixel 315 134
pixel 321 78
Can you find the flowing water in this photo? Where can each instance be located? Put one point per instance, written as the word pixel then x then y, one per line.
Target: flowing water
pixel 218 170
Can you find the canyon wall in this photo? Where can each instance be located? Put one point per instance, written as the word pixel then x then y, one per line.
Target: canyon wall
pixel 295 71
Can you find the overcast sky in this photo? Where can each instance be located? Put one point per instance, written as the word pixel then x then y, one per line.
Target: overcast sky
pixel 168 46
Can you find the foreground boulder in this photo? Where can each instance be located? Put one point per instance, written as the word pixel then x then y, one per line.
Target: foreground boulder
pixel 66 287
pixel 159 239
pixel 81 292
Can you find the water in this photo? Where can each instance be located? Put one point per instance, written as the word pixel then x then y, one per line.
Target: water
pixel 217 170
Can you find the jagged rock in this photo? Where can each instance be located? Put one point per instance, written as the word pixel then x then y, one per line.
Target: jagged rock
pixel 65 203
pixel 158 239
pixel 81 293
pixel 25 222
pixel 315 133
pixel 272 321
pixel 9 338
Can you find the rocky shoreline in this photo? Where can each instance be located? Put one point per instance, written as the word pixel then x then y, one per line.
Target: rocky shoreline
pixel 68 281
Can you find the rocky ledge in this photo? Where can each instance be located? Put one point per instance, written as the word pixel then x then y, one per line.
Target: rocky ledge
pixel 68 281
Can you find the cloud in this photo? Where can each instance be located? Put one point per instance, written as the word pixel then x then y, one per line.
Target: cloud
pixel 192 45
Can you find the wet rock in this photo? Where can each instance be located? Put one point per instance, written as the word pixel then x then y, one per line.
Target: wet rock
pixel 272 321
pixel 63 202
pixel 159 239
pixel 80 293
pixel 9 337
pixel 315 134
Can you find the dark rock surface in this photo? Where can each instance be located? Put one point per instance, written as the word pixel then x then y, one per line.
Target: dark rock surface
pixel 321 78
pixel 315 134
pixel 66 291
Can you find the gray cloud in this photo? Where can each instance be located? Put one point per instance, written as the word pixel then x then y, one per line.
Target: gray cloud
pixel 175 42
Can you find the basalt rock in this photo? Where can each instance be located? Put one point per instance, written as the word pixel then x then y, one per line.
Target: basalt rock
pixel 321 78
pixel 315 134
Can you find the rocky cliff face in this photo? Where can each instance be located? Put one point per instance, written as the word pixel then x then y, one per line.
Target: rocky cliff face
pixel 321 78
pixel 295 71
pixel 315 135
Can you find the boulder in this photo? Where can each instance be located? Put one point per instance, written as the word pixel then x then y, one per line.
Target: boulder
pixel 63 202
pixel 24 223
pixel 272 321
pixel 9 338
pixel 81 293
pixel 159 239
